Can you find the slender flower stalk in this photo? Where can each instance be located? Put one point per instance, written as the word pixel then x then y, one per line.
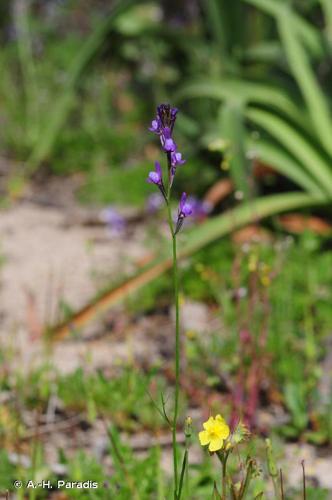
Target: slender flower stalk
pixel 163 126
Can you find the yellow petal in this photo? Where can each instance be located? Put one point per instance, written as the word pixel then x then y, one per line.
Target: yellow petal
pixel 204 438
pixel 220 419
pixel 215 444
pixel 223 431
pixel 208 423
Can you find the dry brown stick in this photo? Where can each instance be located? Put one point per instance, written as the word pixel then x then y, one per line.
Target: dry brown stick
pixel 62 425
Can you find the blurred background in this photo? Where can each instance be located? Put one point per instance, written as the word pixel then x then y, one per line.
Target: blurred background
pixel 86 315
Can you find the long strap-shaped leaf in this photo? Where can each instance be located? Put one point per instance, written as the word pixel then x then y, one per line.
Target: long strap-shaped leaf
pixel 233 131
pixel 318 105
pixel 327 9
pixel 217 25
pixel 21 14
pixel 297 144
pixel 294 32
pixel 61 107
pixel 196 239
pixel 283 162
pixel 308 33
pixel 248 92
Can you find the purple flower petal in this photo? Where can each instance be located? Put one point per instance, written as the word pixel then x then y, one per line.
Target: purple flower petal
pixel 187 209
pixel 176 159
pixel 155 177
pixel 115 221
pixel 169 145
pixel 182 201
pixel 155 126
pixel 158 169
pixel 154 202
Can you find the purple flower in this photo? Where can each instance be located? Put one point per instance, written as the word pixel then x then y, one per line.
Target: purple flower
pixel 167 115
pixel 163 125
pixel 169 145
pixel 115 221
pixel 166 140
pixel 155 125
pixel 156 177
pixel 176 159
pixel 154 202
pixel 200 209
pixel 185 207
pixel 184 210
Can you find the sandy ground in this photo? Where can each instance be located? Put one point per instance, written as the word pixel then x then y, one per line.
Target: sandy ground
pixel 47 263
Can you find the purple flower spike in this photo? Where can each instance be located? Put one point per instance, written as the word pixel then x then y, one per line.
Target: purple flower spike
pixel 163 125
pixel 185 209
pixel 156 177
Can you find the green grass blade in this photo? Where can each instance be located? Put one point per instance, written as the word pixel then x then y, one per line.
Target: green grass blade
pixel 266 51
pixel 197 238
pixel 301 69
pixel 248 212
pixel 233 132
pixel 248 92
pixel 284 163
pixel 62 105
pixel 297 144
pixel 327 9
pixel 28 69
pixel 216 25
pixel 309 35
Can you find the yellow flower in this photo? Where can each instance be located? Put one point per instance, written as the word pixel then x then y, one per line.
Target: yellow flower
pixel 215 432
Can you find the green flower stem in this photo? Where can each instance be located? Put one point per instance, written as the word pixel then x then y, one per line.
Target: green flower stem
pixel 223 456
pixel 224 477
pixel 177 342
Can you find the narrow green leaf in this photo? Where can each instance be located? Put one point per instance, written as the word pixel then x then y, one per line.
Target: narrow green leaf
pixel 216 23
pixel 297 144
pixel 284 163
pixel 246 213
pixel 233 132
pixel 248 92
pixel 266 51
pixel 301 69
pixel 327 9
pixel 21 12
pixel 310 35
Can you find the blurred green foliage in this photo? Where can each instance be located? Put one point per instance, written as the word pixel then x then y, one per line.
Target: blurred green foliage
pixel 77 96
